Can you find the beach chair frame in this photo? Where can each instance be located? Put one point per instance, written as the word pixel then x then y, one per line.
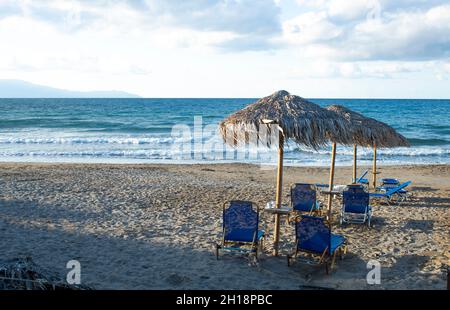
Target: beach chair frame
pixel 389 183
pixel 352 217
pixel 253 247
pixel 361 178
pixel 315 258
pixel 393 195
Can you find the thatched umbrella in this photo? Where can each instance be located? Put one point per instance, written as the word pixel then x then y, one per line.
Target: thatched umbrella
pixel 370 133
pixel 293 118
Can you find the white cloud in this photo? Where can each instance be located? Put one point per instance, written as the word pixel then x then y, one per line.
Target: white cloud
pixel 153 46
pixel 344 10
pixel 356 70
pixel 243 18
pixel 310 27
pixel 237 16
pixel 399 35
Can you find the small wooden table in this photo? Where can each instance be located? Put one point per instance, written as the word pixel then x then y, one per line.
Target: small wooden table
pixel 333 192
pixel 283 210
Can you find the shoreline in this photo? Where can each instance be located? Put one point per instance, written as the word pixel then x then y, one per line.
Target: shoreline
pixel 153 226
pixel 200 163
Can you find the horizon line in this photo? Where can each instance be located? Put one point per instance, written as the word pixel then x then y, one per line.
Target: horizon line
pixel 250 98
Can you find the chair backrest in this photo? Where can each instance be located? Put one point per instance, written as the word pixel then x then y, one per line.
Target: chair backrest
pixel 303 197
pixel 240 220
pixel 358 180
pixel 397 188
pixel 355 187
pixel 312 233
pixel 355 199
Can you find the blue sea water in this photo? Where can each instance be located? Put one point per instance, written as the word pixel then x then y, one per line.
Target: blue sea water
pixel 142 131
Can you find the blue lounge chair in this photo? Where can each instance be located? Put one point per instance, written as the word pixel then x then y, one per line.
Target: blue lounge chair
pixel 397 192
pixel 355 206
pixel 304 198
pixel 313 237
pixel 389 183
pixel 240 228
pixel 362 179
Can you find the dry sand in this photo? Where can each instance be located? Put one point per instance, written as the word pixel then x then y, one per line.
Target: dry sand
pixel 153 226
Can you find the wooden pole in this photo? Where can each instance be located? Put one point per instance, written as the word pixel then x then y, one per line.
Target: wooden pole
pixel 279 193
pixel 330 196
pixel 374 166
pixel 355 152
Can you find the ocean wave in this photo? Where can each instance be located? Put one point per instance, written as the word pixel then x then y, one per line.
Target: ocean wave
pixel 168 157
pixel 168 146
pixel 244 155
pixel 94 140
pixel 106 154
pixel 367 152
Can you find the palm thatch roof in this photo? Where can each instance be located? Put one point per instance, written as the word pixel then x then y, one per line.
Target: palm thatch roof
pixel 368 131
pixel 300 120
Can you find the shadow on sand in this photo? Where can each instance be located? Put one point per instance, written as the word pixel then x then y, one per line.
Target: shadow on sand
pixel 123 262
pixel 422 225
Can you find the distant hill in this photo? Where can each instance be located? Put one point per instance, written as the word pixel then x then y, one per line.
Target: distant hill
pixel 22 89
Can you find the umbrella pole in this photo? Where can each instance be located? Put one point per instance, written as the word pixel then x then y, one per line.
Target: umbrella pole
pixel 330 196
pixel 374 167
pixel 279 194
pixel 355 151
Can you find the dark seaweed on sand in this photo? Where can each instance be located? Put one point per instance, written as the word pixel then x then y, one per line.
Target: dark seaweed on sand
pixel 24 274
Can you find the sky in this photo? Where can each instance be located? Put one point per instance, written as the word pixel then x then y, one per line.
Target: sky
pixel 230 48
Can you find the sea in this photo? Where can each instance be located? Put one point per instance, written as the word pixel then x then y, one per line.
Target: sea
pixel 185 131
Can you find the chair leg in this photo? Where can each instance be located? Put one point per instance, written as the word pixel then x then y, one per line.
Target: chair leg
pixel 323 255
pixel 217 251
pixel 291 258
pixel 333 260
pixel 253 258
pixel 344 251
pixel 259 247
pixel 255 248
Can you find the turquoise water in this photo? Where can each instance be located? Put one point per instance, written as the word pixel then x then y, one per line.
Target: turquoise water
pixel 140 130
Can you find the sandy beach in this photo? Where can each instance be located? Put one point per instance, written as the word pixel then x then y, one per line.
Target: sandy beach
pixel 154 226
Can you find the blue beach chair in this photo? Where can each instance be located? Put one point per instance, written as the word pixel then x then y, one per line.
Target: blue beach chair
pixel 355 206
pixel 394 194
pixel 313 237
pixel 362 179
pixel 389 183
pixel 241 232
pixel 304 198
